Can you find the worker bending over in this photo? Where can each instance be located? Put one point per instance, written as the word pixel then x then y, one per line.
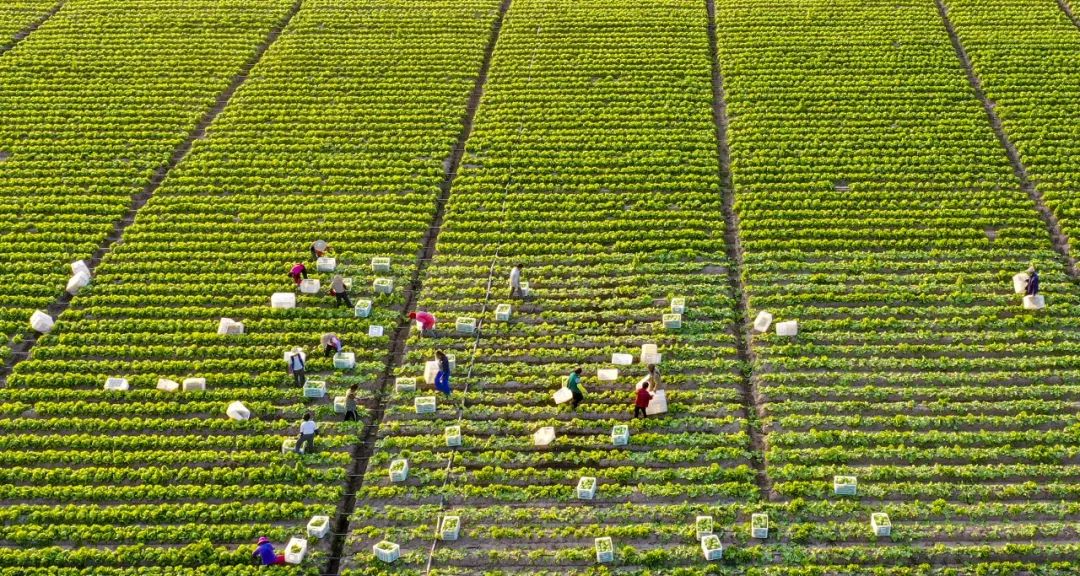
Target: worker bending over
pixel 515 281
pixel 340 291
pixel 265 554
pixel 297 272
pixel 426 321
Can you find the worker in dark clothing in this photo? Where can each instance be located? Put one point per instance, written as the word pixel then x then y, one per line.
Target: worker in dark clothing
pixel 1032 283
pixel 297 367
pixel 331 344
pixel 297 272
pixel 642 398
pixel 442 377
pixel 305 444
pixel 340 291
pixel 265 554
pixel 350 405
pixel 574 384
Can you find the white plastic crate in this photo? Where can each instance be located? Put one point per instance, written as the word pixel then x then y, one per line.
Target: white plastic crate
pixel 502 312
pixel 77 283
pixel 1036 302
pixel 466 325
pixel 318 526
pixel 712 548
pixel 399 470
pixel 544 436
pixel 620 435
pixel 314 389
pixel 672 321
pixel 450 528
pixel 703 526
pixel 310 286
pixel 283 300
pixel 117 384
pixel 658 404
pixel 288 446
pixel 1020 282
pixel 166 385
pixel 374 331
pixel 383 285
pixel 325 264
pixel 194 384
pixel 788 329
pixel 562 395
pixel 228 326
pixel 845 485
pixel 386 551
pixel 431 370
pixel 452 434
pixel 605 550
pixel 526 290
pixel 425 405
pixel 362 308
pixel 41 322
pixel 339 404
pixel 678 305
pixel 237 411
pixel 879 521
pixel 607 374
pixel 763 321
pixel 647 349
pixel 344 360
pixel 295 550
pixel 405 384
pixel 380 264
pixel 651 358
pixel 759 525
pixel 586 488
pixel 622 359
pixel 80 266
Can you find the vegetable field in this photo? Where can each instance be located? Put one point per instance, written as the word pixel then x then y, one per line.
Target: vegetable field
pixel 870 175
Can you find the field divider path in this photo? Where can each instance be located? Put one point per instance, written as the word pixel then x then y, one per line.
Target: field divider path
pixel 363 450
pixel 751 398
pixel 21 351
pixel 22 34
pixel 1068 12
pixel 1058 238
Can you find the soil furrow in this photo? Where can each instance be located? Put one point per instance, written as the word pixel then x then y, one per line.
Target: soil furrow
pixel 1068 12
pixel 22 34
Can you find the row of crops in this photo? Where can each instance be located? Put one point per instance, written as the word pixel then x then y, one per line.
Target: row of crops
pixel 874 205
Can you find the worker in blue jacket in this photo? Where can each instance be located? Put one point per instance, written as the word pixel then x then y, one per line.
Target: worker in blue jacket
pixel 264 552
pixel 1032 283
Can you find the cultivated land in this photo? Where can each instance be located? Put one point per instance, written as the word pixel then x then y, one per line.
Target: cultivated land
pixel 877 171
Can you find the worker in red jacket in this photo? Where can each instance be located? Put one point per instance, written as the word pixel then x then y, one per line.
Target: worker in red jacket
pixel 426 320
pixel 643 397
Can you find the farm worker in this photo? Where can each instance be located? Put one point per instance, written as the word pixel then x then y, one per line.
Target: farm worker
pixel 654 378
pixel 264 552
pixel 574 384
pixel 515 281
pixel 318 248
pixel 1032 283
pixel 426 320
pixel 339 291
pixel 642 398
pixel 350 404
pixel 331 344
pixel 307 435
pixel 442 378
pixel 297 272
pixel 296 367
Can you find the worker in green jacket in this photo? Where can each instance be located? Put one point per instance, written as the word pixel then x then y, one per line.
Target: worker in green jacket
pixel 574 384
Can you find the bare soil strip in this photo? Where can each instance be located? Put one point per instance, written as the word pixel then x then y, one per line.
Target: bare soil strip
pixel 363 450
pixel 22 350
pixel 1057 238
pixel 1068 12
pixel 752 400
pixel 22 34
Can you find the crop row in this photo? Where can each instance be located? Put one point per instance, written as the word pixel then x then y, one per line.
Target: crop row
pixel 17 15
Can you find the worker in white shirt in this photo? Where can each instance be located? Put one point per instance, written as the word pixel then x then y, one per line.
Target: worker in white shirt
pixel 515 281
pixel 307 435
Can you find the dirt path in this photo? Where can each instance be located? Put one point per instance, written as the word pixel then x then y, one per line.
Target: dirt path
pixel 751 398
pixel 1058 238
pixel 22 34
pixel 1068 12
pixel 363 450
pixel 22 350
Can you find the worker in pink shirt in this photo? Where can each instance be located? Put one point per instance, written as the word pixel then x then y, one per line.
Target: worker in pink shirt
pixel 426 320
pixel 297 272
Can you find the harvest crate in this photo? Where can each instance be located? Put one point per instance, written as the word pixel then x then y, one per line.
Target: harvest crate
pixel 845 485
pixel 678 305
pixel 318 526
pixel 362 308
pixel 399 470
pixel 117 384
pixel 586 488
pixel 607 374
pixel 288 446
pixel 310 286
pixel 759 525
pixel 466 325
pixel 295 550
pixel 620 435
pixel 544 436
pixel 425 405
pixel 452 435
pixel 787 329
pixel 386 551
pixel 672 321
pixel 703 526
pixel 879 521
pixel 1036 302
pixel 339 404
pixel 166 385
pixel 383 285
pixel 449 528
pixel 405 384
pixel 237 411
pixel 344 360
pixel 605 550
pixel 314 389
pixel 712 548
pixel 325 264
pixel 283 300
pixel 502 313
pixel 374 331
pixel 380 264
pixel 194 384
pixel 763 321
pixel 622 359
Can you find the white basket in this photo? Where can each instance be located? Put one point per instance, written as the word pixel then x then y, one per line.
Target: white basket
pixel 678 305
pixel 759 525
pixel 41 322
pixel 845 485
pixel 344 360
pixel 1020 282
pixel 80 266
pixel 362 309
pixel 380 264
pixel 562 395
pixel 288 446
pixel 194 384
pixel 502 312
pixel 787 329
pixel 339 404
pixel 1035 302
pixel 658 404
pixel 228 326
pixel 544 436
pixel 295 550
pixel 452 434
pixel 117 384
pixel 607 374
pixel 310 286
pixel 374 331
pixel 77 283
pixel 431 370
pixel 166 385
pixel 466 325
pixel 620 435
pixel 672 321
pixel 405 384
pixel 763 321
pixel 450 528
pixel 325 264
pixel 425 405
pixel 314 389
pixel 586 488
pixel 712 548
pixel 703 526
pixel 647 349
pixel 651 358
pixel 399 470
pixel 237 411
pixel 622 359
pixel 879 521
pixel 605 550
pixel 386 551
pixel 283 300
pixel 318 526
pixel 383 285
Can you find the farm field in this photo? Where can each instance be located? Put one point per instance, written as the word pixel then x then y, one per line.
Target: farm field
pixel 665 171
